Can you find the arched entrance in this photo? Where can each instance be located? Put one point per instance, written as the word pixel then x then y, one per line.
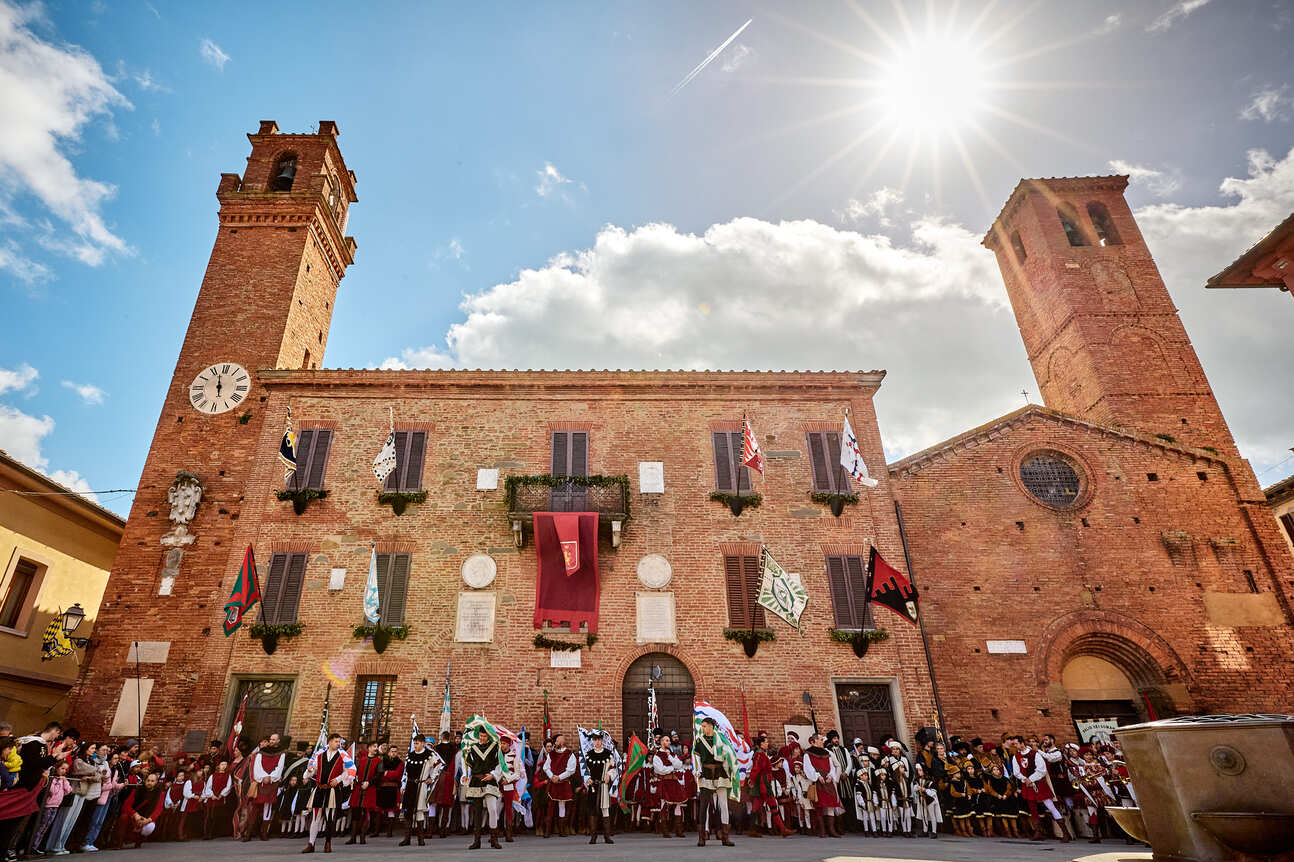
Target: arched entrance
pixel 1111 682
pixel 675 692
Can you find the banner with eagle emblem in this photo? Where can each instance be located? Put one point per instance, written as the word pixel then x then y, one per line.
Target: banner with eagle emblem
pixel 782 593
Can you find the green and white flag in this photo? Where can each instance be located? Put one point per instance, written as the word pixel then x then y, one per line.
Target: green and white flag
pixel 782 592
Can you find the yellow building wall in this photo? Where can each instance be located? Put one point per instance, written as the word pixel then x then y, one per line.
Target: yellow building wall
pixel 1285 507
pixel 77 555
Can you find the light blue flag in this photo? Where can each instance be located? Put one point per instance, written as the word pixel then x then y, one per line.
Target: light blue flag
pixel 372 608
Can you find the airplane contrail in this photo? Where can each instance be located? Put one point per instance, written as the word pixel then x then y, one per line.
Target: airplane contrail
pixel 708 60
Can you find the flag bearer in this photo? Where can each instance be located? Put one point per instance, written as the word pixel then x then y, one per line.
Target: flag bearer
pixel 482 773
pixel 600 764
pixel 713 782
pixel 328 771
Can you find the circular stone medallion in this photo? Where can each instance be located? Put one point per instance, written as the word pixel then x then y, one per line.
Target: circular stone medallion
pixel 479 571
pixel 654 572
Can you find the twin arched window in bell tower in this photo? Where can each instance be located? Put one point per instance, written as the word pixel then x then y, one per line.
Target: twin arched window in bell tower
pixel 1106 232
pixel 283 173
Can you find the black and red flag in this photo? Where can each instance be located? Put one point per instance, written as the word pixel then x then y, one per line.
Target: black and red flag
pixel 887 586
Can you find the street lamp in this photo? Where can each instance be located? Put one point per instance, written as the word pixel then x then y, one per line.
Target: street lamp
pixel 72 618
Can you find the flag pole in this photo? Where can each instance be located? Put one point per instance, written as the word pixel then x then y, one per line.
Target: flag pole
pixel 921 623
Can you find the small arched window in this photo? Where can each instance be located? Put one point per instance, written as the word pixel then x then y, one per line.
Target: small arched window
pixel 1106 232
pixel 1018 246
pixel 283 173
pixel 1069 221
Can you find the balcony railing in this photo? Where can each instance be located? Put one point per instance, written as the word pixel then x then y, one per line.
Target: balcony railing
pixel 606 495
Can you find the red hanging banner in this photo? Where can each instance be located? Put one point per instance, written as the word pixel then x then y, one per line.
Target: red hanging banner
pixel 566 592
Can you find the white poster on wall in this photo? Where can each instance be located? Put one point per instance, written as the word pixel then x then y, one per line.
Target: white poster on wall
pixel 1096 729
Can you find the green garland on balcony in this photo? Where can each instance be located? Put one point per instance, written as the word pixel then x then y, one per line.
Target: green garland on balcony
pixel 829 498
pixel 398 633
pixel 852 636
pixel 514 482
pixel 737 502
pixel 545 642
pixel 278 630
pixel 301 498
pixel 744 635
pixel 400 500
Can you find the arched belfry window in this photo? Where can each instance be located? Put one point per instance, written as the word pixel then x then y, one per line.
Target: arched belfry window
pixel 1106 232
pixel 283 173
pixel 1017 245
pixel 1069 221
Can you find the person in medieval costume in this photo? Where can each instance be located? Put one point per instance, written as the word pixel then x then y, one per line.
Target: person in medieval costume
pixel 421 768
pixel 886 813
pixel 215 794
pixel 285 806
pixel 139 813
pixel 363 794
pixel 265 773
pixel 442 796
pixel 1090 777
pixel 667 768
pixel 560 766
pixel 821 768
pixel 599 776
pixel 866 800
pixel 844 784
pixel 329 772
pixel 191 807
pixel 539 789
pixel 713 782
pixel 1031 769
pixel 763 784
pixel 925 801
pixel 482 775
pixel 171 803
pixel 1066 794
pixel 513 781
pixel 388 790
pixel 1000 813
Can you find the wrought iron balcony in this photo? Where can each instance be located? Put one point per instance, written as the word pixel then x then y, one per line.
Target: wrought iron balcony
pixel 608 496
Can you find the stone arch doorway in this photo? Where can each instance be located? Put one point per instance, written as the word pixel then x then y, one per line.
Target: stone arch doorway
pixel 675 691
pixel 1110 682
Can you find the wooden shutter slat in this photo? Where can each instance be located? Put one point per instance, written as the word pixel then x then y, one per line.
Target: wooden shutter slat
pixel 305 440
pixel 835 470
pixel 739 470
pixel 722 462
pixel 293 579
pixel 397 590
pixel 412 479
pixel 579 462
pixel 818 461
pixel 738 617
pixel 856 578
pixel 393 478
pixel 273 589
pixel 319 458
pixel 839 585
pixel 383 582
pixel 561 449
pixel 753 572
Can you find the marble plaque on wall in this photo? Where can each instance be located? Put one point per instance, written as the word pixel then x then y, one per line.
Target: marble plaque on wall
pixel 148 652
pixel 564 658
pixel 651 477
pixel 656 618
pixel 1007 647
pixel 475 623
pixel 337 579
pixel 487 479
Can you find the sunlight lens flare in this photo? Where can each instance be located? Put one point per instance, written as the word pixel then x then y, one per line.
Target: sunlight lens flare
pixel 934 85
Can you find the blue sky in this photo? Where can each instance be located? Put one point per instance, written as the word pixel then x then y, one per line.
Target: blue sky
pixel 531 194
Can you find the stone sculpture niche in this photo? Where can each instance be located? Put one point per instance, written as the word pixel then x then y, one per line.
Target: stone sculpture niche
pixel 184 495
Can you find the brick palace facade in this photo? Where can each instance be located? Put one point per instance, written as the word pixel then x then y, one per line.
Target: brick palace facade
pixel 1106 557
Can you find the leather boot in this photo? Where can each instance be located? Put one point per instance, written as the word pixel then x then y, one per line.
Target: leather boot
pixel 327 845
pixel 507 828
pixel 422 834
pixel 701 832
pixel 494 838
pixel 832 829
pixel 1037 830
pixel 780 826
pixel 818 829
pixel 408 838
pixel 593 838
pixel 678 825
pixel 476 838
pixel 606 829
pixel 723 837
pixel 752 830
pixel 309 848
pixel 1065 835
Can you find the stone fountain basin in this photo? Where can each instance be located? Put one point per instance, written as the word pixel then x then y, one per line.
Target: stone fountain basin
pixel 1256 833
pixel 1129 820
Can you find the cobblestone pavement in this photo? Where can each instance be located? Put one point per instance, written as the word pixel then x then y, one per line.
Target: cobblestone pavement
pixel 655 849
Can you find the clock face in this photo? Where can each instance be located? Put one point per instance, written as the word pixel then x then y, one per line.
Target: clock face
pixel 219 387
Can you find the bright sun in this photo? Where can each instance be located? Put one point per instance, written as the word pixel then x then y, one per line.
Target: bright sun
pixel 933 85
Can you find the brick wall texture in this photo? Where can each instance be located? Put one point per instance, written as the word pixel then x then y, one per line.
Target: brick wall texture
pixel 1182 582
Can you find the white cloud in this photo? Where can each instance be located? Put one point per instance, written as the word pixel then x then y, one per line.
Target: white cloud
pixel 48 94
pixel 1110 24
pixel 157 127
pixel 1269 105
pixel 23 268
pixel 550 180
pixel 1160 183
pixel 210 52
pixel 17 379
pixel 1177 12
pixel 148 83
pixel 734 59
pixel 88 392
pixel 21 436
pixel 877 205
pixel 800 294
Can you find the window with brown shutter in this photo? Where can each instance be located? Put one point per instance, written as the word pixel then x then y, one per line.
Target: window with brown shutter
pixel 742 576
pixel 847 579
pixel 1288 520
pixel 15 598
pixel 829 477
pixel 728 469
pixel 281 594
pixel 312 456
pixel 570 457
pixel 392 587
pixel 410 450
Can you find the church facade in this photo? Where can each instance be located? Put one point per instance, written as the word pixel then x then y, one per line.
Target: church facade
pixel 1104 558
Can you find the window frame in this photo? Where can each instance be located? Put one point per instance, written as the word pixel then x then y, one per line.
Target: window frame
pixel 274 169
pixel 854 589
pixel 27 608
pixel 739 472
pixel 383 707
pixel 1099 214
pixel 307 457
pixel 275 588
pixel 751 614
pixel 1067 215
pixel 398 481
pixel 386 577
pixel 568 498
pixel 833 472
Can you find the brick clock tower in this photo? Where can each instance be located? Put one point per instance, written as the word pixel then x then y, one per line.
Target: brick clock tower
pixel 1100 329
pixel 266 302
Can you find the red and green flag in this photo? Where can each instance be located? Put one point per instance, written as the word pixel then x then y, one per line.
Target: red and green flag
pixel 635 757
pixel 246 593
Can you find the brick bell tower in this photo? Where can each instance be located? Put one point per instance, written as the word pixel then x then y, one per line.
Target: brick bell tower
pixel 1099 326
pixel 266 302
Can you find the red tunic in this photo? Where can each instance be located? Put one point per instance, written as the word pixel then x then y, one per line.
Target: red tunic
pixel 760 782
pixel 194 802
pixel 219 781
pixel 669 788
pixel 443 792
pixel 827 797
pixel 358 792
pixel 558 762
pixel 1026 766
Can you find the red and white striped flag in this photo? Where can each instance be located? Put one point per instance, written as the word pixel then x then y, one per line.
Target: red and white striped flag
pixel 750 454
